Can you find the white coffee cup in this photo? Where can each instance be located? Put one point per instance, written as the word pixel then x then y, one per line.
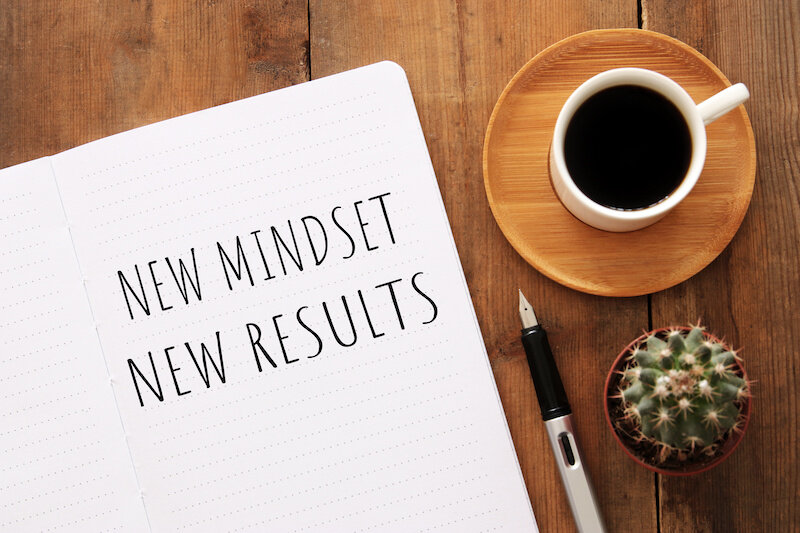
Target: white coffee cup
pixel 697 116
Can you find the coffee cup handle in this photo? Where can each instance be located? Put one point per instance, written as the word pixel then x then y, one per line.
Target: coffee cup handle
pixel 722 102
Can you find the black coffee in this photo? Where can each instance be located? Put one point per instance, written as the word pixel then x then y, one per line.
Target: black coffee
pixel 627 147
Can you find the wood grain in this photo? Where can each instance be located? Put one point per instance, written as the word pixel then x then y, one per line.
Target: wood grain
pixel 72 72
pixel 540 228
pixel 748 293
pixel 459 56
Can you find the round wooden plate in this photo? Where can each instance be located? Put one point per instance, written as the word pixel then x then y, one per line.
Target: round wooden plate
pixel 565 249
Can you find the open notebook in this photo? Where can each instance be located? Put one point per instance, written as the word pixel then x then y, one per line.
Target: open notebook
pixel 252 318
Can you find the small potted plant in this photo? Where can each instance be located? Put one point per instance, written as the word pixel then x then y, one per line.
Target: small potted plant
pixel 678 400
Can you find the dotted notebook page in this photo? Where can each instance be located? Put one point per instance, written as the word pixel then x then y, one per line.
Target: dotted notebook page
pixel 64 463
pixel 283 313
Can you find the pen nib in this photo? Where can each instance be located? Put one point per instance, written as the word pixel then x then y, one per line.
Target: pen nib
pixel 526 314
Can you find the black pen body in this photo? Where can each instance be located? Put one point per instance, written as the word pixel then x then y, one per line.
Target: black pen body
pixel 546 379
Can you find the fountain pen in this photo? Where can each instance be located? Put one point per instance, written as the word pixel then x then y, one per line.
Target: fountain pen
pixel 557 416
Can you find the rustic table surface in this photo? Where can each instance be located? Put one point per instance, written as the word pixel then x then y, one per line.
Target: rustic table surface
pixel 71 72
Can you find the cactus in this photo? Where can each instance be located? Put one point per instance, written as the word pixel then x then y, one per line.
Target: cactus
pixel 682 391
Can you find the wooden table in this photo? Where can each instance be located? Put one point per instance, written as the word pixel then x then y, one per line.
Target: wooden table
pixel 71 72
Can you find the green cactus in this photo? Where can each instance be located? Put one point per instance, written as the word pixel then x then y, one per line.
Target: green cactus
pixel 682 392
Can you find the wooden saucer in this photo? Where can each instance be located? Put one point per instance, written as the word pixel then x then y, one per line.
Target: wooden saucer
pixel 565 249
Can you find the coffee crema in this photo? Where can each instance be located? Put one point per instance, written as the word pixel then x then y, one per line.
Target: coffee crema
pixel 627 147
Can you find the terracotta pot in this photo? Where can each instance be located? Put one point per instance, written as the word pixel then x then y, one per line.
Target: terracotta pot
pixel 690 468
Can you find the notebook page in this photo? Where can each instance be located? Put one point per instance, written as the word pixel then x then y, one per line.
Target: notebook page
pixel 64 463
pixel 284 315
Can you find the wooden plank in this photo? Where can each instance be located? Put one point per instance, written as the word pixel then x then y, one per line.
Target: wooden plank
pixel 459 56
pixel 747 293
pixel 71 72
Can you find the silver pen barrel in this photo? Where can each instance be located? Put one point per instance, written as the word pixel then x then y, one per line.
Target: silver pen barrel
pixel 574 475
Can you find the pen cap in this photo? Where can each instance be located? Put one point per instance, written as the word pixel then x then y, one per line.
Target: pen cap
pixel 549 389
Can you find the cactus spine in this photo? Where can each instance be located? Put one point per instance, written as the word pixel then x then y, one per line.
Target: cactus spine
pixel 682 392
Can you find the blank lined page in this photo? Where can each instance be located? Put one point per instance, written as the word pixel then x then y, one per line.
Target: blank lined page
pixel 64 463
pixel 283 313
